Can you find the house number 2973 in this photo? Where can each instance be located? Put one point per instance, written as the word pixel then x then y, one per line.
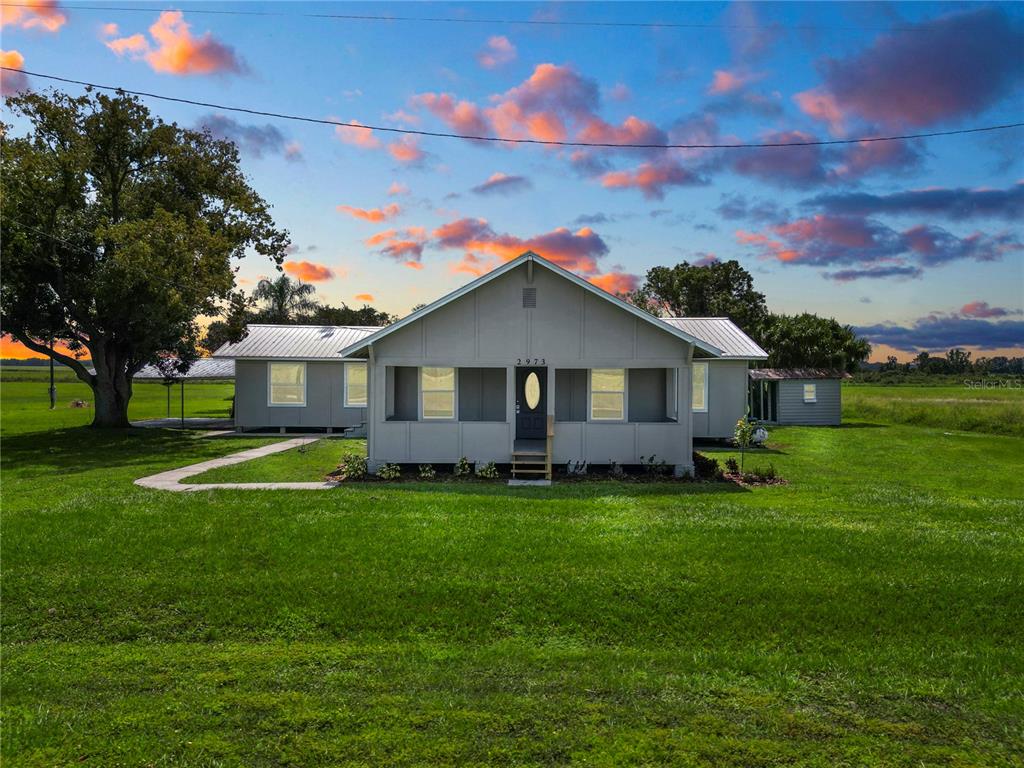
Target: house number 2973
pixel 530 361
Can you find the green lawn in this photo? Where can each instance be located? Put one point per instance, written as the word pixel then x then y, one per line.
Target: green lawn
pixel 962 408
pixel 871 612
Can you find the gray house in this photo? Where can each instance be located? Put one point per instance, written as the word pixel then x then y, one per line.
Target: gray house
pixel 529 365
pixel 294 376
pixel 810 396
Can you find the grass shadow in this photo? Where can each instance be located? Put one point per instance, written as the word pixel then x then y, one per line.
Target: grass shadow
pixel 81 449
pixel 580 489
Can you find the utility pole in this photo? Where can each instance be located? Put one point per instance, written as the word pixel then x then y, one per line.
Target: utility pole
pixel 53 385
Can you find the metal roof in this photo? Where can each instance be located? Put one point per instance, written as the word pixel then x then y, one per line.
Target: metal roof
pixel 530 256
pixel 300 342
pixel 203 368
pixel 720 332
pixel 781 374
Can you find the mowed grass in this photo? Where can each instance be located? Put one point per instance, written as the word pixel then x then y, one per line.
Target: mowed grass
pixel 307 463
pixel 868 613
pixel 996 410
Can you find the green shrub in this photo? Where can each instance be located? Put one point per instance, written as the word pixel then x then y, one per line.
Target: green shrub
pixel 488 471
pixel 761 475
pixel 389 472
pixel 732 466
pixel 653 467
pixel 615 469
pixel 463 467
pixel 426 472
pixel 351 467
pixel 705 467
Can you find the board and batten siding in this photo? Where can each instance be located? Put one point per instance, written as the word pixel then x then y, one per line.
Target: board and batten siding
pixel 325 398
pixel 792 409
pixel 727 399
pixel 569 327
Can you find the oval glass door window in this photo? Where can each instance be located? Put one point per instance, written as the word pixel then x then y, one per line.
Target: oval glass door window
pixel 531 390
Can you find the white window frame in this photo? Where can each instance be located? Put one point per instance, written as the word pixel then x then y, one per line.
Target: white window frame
pixel 707 388
pixel 454 390
pixel 348 403
pixel 270 383
pixel 590 395
pixel 814 393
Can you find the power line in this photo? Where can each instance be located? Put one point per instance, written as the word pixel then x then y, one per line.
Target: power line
pixel 505 140
pixel 465 20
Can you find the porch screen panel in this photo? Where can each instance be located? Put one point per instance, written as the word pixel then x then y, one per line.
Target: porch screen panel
pixel 482 393
pixel 571 394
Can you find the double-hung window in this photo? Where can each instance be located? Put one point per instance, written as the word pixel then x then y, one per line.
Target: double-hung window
pixel 437 393
pixel 810 393
pixel 700 388
pixel 608 394
pixel 287 385
pixel 355 385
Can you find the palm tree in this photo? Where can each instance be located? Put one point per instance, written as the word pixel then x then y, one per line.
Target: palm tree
pixel 284 300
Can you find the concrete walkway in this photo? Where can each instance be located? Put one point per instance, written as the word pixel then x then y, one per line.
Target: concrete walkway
pixel 171 480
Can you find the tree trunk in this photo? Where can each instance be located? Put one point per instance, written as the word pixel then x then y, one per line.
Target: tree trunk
pixel 112 391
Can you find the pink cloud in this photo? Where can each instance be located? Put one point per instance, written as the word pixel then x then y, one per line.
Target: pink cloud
pixel 372 214
pixel 308 271
pixel 951 67
pixel 358 136
pixel 616 283
pixel 577 251
pixel 175 51
pixel 402 245
pixel 726 81
pixel 498 51
pixel 397 188
pixel 651 178
pixel 461 116
pixel 45 15
pixel 364 297
pixel 982 309
pixel 12 82
pixel 821 105
pixel 406 151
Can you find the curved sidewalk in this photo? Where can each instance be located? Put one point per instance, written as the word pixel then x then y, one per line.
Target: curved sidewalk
pixel 171 479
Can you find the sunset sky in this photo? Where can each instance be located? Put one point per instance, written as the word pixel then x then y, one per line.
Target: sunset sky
pixel 916 243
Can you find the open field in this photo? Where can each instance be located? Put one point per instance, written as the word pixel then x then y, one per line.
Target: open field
pixel 868 613
pixel 998 411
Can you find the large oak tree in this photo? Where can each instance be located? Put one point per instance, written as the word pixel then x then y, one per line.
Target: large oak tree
pixel 118 232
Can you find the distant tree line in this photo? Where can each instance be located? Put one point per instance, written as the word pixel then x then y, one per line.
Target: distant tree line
pixel 927 367
pixel 726 289
pixel 284 301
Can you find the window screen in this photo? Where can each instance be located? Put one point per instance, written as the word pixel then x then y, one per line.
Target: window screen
pixel 700 387
pixel 355 385
pixel 810 393
pixel 437 390
pixel 608 394
pixel 287 383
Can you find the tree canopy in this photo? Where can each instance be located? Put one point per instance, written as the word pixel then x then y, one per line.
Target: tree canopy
pixel 285 301
pixel 726 289
pixel 806 340
pixel 119 231
pixel 718 289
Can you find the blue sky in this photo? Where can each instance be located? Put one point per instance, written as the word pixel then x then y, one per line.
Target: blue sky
pixel 844 232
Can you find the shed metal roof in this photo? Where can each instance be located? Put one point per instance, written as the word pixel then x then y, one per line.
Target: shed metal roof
pixel 300 342
pixel 720 332
pixel 203 368
pixel 782 374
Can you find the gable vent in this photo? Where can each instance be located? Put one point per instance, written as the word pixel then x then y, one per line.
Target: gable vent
pixel 529 298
